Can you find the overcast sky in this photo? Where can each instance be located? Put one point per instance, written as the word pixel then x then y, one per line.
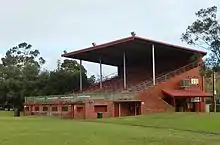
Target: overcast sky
pixel 54 25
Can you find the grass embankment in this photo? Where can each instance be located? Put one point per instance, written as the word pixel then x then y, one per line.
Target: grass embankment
pixel 51 131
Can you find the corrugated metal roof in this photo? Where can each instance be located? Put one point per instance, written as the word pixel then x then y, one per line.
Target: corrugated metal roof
pixel 124 40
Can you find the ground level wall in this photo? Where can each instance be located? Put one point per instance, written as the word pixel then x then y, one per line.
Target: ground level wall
pixel 87 110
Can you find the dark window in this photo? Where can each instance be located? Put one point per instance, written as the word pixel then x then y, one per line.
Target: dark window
pixel 64 108
pixel 54 108
pixel 79 109
pixel 45 108
pixel 100 108
pixel 36 108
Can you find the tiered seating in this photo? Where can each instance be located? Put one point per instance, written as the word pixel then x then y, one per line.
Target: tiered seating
pixel 110 84
pixel 116 84
pixel 136 82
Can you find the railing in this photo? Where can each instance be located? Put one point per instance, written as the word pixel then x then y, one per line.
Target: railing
pixel 97 82
pixel 105 78
pixel 78 97
pixel 148 82
pixel 163 77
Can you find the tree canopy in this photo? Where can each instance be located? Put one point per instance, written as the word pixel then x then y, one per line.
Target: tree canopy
pixel 205 33
pixel 21 76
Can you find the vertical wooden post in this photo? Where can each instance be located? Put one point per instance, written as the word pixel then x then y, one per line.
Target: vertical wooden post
pixel 135 109
pixel 174 103
pixel 119 109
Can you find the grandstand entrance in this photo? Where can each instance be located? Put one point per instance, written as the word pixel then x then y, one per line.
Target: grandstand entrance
pixel 186 100
pixel 127 108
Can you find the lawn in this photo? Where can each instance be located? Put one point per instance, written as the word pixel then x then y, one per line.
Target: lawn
pixel 202 122
pixel 124 131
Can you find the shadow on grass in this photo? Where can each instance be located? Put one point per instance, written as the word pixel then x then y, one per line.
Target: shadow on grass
pixel 160 127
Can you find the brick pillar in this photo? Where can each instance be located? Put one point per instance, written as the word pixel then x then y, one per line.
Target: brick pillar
pixel 142 107
pixel 60 110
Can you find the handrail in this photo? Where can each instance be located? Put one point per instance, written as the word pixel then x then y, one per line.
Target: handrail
pixel 105 78
pixel 147 82
pixel 181 69
pixel 109 76
pixel 78 97
pixel 163 76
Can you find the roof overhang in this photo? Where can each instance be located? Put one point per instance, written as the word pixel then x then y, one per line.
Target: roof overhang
pixel 186 93
pixel 136 49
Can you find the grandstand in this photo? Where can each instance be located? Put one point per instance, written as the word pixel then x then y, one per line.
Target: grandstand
pixel 152 77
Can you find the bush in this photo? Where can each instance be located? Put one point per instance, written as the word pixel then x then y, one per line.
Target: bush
pixel 217 108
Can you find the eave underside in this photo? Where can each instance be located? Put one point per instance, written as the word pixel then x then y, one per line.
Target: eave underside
pixel 137 51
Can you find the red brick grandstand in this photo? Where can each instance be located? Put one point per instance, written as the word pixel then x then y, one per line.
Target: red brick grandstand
pixel 152 77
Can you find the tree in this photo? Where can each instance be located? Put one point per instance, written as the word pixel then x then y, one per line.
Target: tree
pixel 72 66
pixel 19 70
pixel 70 74
pixel 63 80
pixel 21 76
pixel 91 79
pixel 205 33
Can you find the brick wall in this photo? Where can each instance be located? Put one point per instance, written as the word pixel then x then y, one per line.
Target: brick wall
pixel 152 98
pixel 79 111
pixel 90 111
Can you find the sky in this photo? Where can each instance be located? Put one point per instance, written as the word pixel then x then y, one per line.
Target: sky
pixel 53 26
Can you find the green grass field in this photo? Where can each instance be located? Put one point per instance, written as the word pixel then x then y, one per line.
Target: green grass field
pixel 155 129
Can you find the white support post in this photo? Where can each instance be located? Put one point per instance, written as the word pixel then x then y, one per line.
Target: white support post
pixel 153 63
pixel 100 69
pixel 124 66
pixel 80 76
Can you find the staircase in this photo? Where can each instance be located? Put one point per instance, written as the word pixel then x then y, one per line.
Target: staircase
pixel 143 86
pixel 145 90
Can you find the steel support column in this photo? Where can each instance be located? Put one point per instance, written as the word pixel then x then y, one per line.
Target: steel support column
pixel 124 68
pixel 80 77
pixel 153 65
pixel 100 70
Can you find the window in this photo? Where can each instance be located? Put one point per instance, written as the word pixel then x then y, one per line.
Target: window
pixel 194 81
pixel 100 108
pixel 54 108
pixel 79 109
pixel 45 108
pixel 64 108
pixel 36 108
